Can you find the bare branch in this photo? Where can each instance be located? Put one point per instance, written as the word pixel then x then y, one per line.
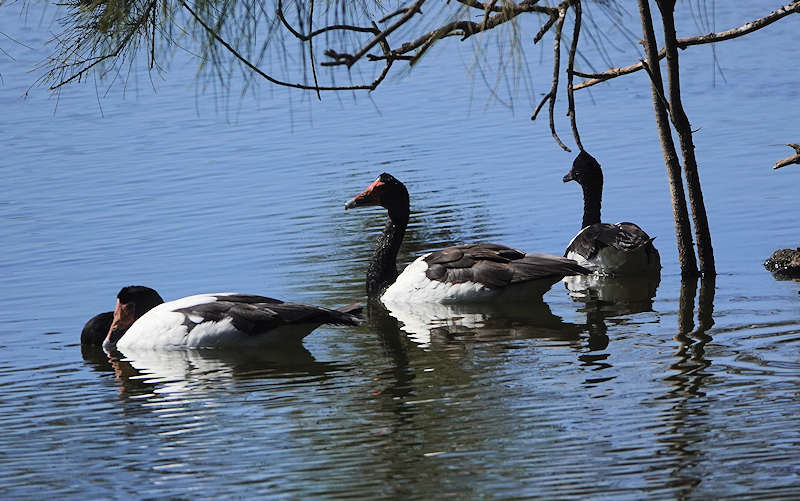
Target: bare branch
pixel 551 96
pixel 250 65
pixel 311 48
pixel 657 87
pixel 576 31
pixel 410 12
pixel 545 28
pixel 395 13
pixel 793 159
pixel 683 43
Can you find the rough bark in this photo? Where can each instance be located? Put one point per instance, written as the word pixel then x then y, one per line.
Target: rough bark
pixel 705 252
pixel 683 233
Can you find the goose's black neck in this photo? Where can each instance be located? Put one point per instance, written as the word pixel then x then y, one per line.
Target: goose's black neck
pixel 382 270
pixel 592 198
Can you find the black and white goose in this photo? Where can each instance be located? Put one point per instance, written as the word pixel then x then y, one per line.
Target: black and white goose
pixel 460 273
pixel 142 320
pixel 613 249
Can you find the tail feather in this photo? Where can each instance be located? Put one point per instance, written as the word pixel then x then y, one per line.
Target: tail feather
pixel 352 313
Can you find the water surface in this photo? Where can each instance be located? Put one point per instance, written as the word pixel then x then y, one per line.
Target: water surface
pixel 691 393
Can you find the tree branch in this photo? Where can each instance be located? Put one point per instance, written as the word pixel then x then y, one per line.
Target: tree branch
pixel 683 43
pixel 551 96
pixel 793 159
pixel 267 77
pixel 576 31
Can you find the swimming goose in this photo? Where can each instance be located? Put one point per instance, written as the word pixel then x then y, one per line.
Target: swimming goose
pixel 460 273
pixel 613 249
pixel 143 321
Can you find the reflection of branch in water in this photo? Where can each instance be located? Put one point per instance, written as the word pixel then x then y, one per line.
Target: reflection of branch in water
pixel 687 416
pixel 691 349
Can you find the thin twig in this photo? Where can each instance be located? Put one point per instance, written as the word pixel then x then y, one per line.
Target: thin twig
pixel 311 48
pixel 551 96
pixel 545 28
pixel 395 13
pixel 657 88
pixel 410 12
pixel 570 65
pixel 250 65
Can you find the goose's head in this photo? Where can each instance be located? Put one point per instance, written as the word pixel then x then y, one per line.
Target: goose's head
pixel 585 170
pixel 132 302
pixel 386 191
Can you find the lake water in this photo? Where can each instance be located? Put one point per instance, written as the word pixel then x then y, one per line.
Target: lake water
pixel 694 393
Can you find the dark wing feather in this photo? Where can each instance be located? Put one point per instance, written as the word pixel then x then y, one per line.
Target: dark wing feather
pixel 446 255
pixel 622 236
pixel 536 266
pixel 630 237
pixel 251 315
pixel 494 265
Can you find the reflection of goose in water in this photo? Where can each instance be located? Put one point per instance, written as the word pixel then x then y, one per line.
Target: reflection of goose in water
pixel 180 370
pixel 615 295
pixel 437 323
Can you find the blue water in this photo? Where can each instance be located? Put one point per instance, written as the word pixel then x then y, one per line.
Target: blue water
pixel 187 191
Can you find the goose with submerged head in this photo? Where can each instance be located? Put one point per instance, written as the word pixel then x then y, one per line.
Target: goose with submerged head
pixel 142 320
pixel 460 273
pixel 612 249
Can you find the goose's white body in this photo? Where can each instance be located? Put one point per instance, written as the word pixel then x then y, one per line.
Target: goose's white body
pixel 164 327
pixel 412 286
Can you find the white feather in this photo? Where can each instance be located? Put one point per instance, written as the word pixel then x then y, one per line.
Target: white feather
pixel 412 286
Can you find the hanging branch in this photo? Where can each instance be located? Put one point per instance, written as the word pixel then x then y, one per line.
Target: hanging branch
pixel 573 49
pixel 683 43
pixel 551 96
pixel 793 159
pixel 250 65
pixel 66 63
pixel 311 49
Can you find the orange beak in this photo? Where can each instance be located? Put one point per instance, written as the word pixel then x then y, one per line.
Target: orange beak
pixel 124 316
pixel 367 197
